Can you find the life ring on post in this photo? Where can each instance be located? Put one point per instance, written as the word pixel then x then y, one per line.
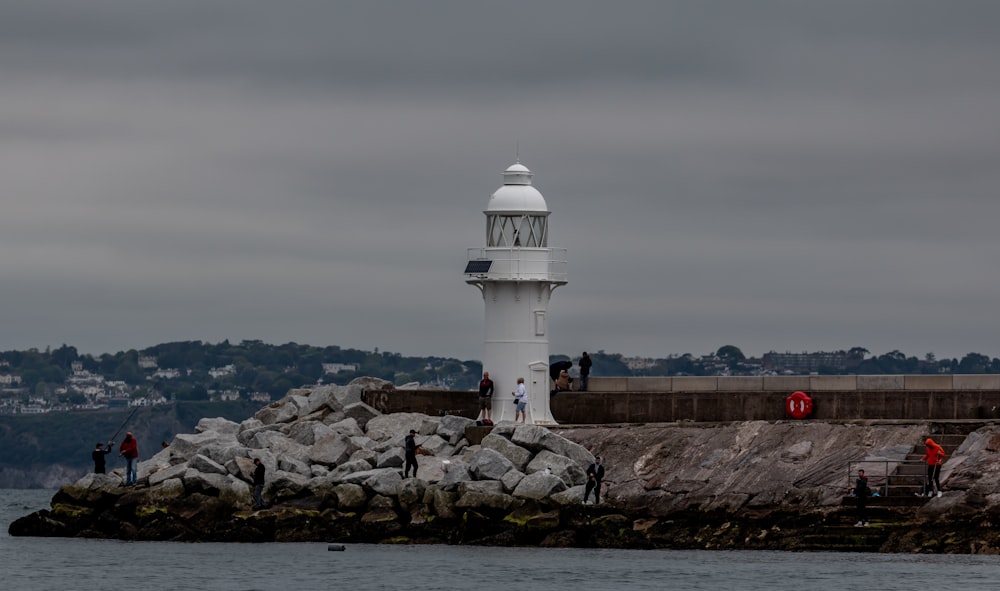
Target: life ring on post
pixel 799 405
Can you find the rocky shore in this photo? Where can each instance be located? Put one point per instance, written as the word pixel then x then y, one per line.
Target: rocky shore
pixel 334 474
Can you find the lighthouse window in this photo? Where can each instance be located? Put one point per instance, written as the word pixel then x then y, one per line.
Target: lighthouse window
pixel 539 323
pixel 516 230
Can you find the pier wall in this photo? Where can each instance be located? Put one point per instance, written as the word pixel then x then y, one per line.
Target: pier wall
pixel 710 399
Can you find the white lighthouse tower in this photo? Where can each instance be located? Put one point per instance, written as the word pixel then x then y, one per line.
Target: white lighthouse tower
pixel 516 274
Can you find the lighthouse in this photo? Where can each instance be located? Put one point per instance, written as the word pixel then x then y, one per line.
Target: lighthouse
pixel 516 274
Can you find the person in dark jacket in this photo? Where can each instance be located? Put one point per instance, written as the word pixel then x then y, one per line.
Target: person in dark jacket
pixel 410 448
pixel 258 484
pixel 862 492
pixel 129 449
pixel 595 473
pixel 486 398
pixel 99 455
pixel 585 365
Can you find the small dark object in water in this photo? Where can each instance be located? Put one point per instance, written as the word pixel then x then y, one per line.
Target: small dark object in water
pixel 336 548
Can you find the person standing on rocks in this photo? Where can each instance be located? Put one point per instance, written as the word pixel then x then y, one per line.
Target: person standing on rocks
pixel 521 400
pixel 129 449
pixel 862 492
pixel 595 474
pixel 934 456
pixel 258 484
pixel 585 365
pixel 99 455
pixel 486 398
pixel 410 448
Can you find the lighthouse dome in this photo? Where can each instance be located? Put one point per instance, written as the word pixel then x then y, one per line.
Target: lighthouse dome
pixel 517 194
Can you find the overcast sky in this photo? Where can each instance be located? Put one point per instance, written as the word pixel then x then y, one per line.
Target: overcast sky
pixel 787 176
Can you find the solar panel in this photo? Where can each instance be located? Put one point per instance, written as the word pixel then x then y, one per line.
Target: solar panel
pixel 478 267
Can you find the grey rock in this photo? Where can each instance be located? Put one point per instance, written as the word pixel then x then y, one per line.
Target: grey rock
pixel 391 458
pixel 332 450
pixel 386 427
pixel 342 471
pixel 511 479
pixel 248 433
pixel 411 492
pixel 538 486
pixel 488 464
pixel 350 496
pixel 435 445
pixel 562 467
pixel 282 411
pixel 492 487
pixel 456 473
pixel 492 501
pixel 283 483
pixel 384 482
pixel 219 425
pixel 360 412
pixel 206 465
pixel 451 428
pixel 290 464
pixel 176 471
pixel 186 445
pixel 363 476
pixel 537 438
pixel 195 481
pixel 517 455
pixel 348 426
pixel 365 454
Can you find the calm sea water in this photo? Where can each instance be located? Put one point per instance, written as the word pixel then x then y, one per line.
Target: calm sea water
pixel 29 564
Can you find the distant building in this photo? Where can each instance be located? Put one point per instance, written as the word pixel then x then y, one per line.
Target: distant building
pixel 806 363
pixel 147 361
pixel 226 395
pixel 218 372
pixel 339 367
pixel 260 397
pixel 9 380
pixel 638 363
pixel 167 374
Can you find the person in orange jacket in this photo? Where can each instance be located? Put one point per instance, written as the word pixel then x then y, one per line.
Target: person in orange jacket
pixel 934 456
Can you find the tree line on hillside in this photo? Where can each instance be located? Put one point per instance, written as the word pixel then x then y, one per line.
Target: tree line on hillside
pixel 255 366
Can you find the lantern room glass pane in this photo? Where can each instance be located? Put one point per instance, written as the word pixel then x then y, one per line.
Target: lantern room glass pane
pixel 516 230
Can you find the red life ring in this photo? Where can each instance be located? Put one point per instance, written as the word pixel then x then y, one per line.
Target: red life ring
pixel 799 405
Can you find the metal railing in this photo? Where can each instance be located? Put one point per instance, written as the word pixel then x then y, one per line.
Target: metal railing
pixel 522 263
pixel 887 483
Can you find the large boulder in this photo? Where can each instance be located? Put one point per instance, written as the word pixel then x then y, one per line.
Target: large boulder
pixel 331 450
pixel 452 428
pixel 538 438
pixel 538 486
pixel 219 425
pixel 517 455
pixel 488 464
pixel 562 467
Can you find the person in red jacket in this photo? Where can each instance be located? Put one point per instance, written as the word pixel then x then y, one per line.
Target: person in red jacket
pixel 934 456
pixel 129 449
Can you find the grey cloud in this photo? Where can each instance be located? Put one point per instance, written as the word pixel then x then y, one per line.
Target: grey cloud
pixel 767 174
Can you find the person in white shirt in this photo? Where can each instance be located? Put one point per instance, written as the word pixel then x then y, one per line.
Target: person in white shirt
pixel 521 399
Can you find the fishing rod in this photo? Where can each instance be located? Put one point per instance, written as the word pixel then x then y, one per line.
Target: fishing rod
pixel 125 422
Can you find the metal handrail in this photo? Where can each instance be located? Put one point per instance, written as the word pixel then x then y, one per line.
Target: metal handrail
pixel 885 488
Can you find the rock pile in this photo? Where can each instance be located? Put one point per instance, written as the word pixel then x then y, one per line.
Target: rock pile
pixel 334 468
pixel 334 474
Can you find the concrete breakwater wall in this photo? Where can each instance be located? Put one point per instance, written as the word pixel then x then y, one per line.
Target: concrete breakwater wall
pixel 721 399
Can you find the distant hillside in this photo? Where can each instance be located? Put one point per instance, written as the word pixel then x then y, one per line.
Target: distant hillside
pixel 45 451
